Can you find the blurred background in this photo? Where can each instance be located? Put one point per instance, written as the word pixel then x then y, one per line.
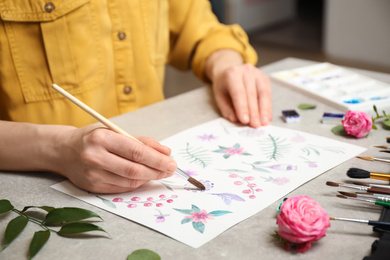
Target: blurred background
pixel 353 33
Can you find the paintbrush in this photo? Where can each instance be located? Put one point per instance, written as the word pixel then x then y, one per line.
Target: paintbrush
pixel 380 197
pixel 383 147
pixel 364 221
pixel 371 184
pixel 362 188
pixel 369 158
pixel 369 200
pixel 357 173
pixel 118 130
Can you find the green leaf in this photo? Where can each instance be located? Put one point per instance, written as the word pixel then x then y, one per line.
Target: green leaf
pixel 14 228
pixel 38 241
pixel 66 215
pixel 195 209
pixel 306 106
pixel 184 211
pixel 45 208
pixel 199 226
pixel 339 130
pixel 374 127
pixel 218 213
pixel 5 206
pixel 386 124
pixel 76 228
pixel 107 202
pixel 186 220
pixel 143 254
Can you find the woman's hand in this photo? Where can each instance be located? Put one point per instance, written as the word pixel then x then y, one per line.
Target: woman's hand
pixel 99 160
pixel 242 92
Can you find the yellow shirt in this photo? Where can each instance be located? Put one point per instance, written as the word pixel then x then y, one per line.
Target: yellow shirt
pixel 109 54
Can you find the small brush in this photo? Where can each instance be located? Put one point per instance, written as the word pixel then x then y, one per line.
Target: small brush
pixel 383 146
pixel 363 221
pixel 369 200
pixel 366 195
pixel 362 188
pixel 357 173
pixel 118 130
pixel 369 158
pixel 371 184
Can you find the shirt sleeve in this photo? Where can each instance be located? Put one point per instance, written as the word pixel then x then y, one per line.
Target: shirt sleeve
pixel 195 33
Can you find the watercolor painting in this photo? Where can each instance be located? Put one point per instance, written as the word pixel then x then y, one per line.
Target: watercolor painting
pixel 243 169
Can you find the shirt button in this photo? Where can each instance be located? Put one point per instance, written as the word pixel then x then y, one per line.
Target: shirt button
pixel 127 89
pixel 49 7
pixel 121 35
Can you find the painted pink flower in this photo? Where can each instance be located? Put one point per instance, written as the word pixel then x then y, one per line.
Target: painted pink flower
pixel 302 221
pixel 357 123
pixel 202 216
pixel 233 151
pixel 117 200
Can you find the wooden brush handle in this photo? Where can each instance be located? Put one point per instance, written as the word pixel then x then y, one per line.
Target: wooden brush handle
pixel 379 190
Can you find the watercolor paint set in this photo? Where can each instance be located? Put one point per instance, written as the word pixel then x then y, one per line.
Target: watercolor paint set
pixel 342 88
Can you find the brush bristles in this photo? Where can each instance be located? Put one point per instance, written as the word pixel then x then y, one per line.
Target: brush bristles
pixel 331 183
pixel 381 146
pixel 341 196
pixel 368 158
pixel 358 173
pixel 388 139
pixel 349 194
pixel 196 183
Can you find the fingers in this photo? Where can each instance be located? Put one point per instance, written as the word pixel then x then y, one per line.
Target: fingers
pixel 107 160
pixel 245 92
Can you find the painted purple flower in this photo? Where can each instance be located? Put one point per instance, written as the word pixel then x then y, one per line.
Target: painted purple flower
pixel 280 181
pixel 160 218
pixel 206 137
pixel 206 183
pixel 283 167
pixel 252 132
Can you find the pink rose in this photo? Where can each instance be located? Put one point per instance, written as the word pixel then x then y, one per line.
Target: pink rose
pixel 301 222
pixel 357 123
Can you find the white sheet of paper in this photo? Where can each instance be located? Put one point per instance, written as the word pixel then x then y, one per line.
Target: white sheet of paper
pixel 244 170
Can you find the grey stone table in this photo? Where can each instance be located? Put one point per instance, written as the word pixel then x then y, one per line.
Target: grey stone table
pixel 250 239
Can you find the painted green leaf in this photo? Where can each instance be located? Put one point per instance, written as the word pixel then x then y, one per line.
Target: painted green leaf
pixel 226 156
pixel 218 213
pixel 107 202
pixel 66 215
pixel 306 106
pixel 5 206
pixel 186 220
pixel 195 209
pixel 78 227
pixel 143 254
pixel 14 228
pixel 45 208
pixel 339 130
pixel 38 241
pixel 184 211
pixel 199 226
pixel 374 127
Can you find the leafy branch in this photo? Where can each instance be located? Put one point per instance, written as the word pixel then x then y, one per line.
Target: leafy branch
pixel 65 217
pixel 386 122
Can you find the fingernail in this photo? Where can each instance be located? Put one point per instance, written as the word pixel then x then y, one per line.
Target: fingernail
pixel 172 166
pixel 264 120
pixel 245 118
